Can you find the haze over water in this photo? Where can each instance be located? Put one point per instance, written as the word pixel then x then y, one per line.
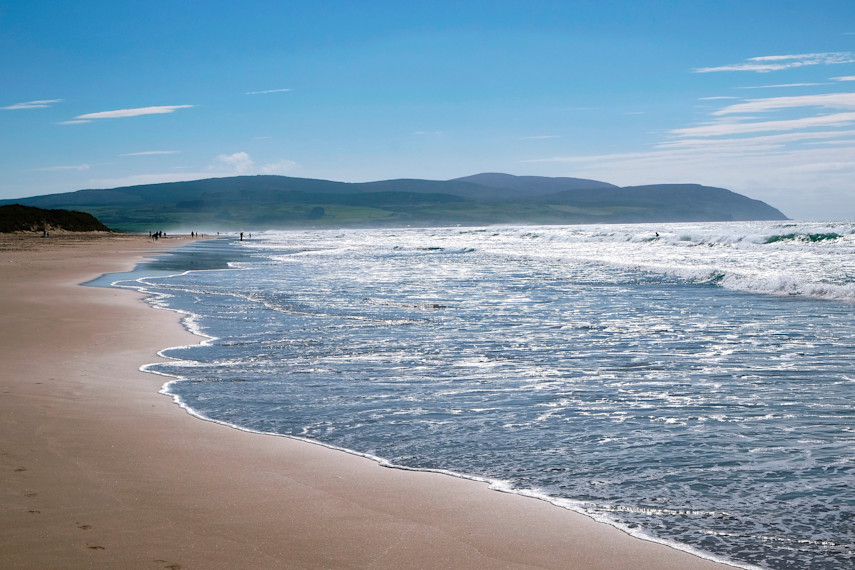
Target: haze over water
pixel 694 387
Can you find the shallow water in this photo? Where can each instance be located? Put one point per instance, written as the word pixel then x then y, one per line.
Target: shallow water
pixel 694 387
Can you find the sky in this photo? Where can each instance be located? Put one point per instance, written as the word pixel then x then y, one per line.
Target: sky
pixel 754 96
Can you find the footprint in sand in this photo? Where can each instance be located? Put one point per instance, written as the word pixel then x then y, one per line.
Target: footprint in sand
pixel 84 526
pixel 94 547
pixel 20 469
pixel 30 495
pixel 169 566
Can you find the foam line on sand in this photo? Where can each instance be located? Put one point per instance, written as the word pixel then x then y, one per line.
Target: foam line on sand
pixel 99 470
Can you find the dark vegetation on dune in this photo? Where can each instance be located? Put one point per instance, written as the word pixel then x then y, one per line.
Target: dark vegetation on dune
pixel 18 218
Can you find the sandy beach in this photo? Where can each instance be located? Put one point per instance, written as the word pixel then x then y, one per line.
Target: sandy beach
pixel 99 470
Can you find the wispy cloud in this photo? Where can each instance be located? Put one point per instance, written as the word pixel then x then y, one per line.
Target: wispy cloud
pixel 770 148
pixel 681 163
pixel 267 91
pixel 850 142
pixel 77 167
pixel 725 129
pixel 782 85
pixel 33 104
pixel 283 166
pixel 150 153
pixel 768 63
pixel 762 142
pixel 123 113
pixel 827 101
pixel 540 137
pixel 678 164
pixel 240 163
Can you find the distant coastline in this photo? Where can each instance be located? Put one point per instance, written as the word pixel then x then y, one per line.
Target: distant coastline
pixel 280 202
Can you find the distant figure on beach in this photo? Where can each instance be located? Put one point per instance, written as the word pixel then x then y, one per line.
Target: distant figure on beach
pixel 241 236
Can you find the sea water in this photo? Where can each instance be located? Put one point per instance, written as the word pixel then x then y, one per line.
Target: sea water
pixel 692 384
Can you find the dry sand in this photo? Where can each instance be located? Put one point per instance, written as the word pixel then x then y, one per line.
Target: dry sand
pixel 99 470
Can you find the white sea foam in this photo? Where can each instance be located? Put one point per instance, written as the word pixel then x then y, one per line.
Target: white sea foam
pixel 579 507
pixel 628 375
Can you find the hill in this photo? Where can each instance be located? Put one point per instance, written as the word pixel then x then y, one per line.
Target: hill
pixel 18 218
pixel 670 203
pixel 510 186
pixel 269 202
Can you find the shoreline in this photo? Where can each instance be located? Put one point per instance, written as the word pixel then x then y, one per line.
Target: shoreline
pixel 102 470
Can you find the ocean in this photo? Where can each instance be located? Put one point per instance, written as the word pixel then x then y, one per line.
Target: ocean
pixel 692 384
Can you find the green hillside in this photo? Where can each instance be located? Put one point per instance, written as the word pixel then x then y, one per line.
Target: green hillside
pixel 271 202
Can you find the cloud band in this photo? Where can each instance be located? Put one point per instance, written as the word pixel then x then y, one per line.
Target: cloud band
pixel 123 113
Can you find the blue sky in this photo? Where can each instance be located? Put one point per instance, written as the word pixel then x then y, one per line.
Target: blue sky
pixel 754 96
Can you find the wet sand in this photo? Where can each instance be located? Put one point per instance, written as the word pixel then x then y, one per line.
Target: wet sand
pixel 99 470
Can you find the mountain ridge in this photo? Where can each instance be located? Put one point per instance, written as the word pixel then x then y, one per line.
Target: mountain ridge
pixel 275 202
